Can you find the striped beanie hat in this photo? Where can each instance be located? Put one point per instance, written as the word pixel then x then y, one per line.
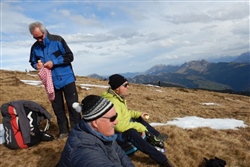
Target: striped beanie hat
pixel 93 107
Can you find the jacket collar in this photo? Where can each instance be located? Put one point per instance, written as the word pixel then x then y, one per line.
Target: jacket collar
pixel 85 126
pixel 120 97
pixel 46 39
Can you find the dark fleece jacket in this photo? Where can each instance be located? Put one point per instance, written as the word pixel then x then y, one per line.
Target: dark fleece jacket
pixel 87 148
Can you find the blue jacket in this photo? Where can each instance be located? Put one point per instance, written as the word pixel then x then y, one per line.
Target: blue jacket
pixel 54 48
pixel 87 148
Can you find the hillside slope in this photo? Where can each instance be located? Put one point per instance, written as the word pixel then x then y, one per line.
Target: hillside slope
pixel 185 147
pixel 231 77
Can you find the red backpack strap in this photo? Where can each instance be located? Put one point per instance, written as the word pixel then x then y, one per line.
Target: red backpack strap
pixel 15 127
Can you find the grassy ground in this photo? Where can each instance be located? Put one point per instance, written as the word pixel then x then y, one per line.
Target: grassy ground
pixel 185 147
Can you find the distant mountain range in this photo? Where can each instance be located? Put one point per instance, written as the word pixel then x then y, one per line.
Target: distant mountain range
pixel 244 57
pixel 233 76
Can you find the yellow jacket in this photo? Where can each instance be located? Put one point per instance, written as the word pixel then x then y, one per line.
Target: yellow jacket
pixel 124 114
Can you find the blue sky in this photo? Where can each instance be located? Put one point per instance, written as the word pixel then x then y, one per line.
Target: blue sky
pixel 109 37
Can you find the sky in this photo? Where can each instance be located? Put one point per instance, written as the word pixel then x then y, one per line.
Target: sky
pixel 111 36
pixel 187 122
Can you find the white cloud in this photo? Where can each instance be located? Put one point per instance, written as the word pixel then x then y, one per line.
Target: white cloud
pixel 108 37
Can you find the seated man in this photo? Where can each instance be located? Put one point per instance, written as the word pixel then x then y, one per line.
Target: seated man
pixel 131 125
pixel 92 141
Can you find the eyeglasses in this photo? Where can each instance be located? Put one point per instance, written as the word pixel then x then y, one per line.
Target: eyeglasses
pixel 125 84
pixel 37 38
pixel 111 119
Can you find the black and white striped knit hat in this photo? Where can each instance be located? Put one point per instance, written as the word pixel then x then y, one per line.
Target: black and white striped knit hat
pixel 94 107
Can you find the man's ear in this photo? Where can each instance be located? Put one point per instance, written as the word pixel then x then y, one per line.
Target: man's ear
pixel 117 90
pixel 94 124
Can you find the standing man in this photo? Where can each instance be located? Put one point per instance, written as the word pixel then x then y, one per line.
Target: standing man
pixel 53 53
pixel 131 126
pixel 91 142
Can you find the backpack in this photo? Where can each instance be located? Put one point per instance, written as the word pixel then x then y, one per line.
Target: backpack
pixel 21 123
pixel 216 162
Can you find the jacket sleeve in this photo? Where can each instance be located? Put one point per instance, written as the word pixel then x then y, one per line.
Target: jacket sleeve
pixel 124 115
pixel 33 59
pixel 93 156
pixel 64 55
pixel 125 125
pixel 124 118
pixel 134 114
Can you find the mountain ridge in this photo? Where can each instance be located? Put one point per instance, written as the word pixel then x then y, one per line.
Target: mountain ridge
pixel 233 76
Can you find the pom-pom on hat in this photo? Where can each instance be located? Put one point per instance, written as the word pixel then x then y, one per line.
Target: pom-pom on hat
pixel 116 80
pixel 77 106
pixel 93 107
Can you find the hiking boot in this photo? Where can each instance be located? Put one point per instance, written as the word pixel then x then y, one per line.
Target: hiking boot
pixel 153 140
pixel 160 149
pixel 63 135
pixel 167 163
pixel 46 136
pixel 162 137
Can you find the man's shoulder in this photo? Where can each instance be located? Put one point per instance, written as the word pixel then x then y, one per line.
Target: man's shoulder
pixel 80 137
pixel 106 95
pixel 54 37
pixel 35 45
pixel 109 96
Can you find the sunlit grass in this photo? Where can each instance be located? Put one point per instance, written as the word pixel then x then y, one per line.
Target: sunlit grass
pixel 185 147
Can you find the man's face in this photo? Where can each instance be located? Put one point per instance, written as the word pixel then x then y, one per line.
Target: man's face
pixel 106 124
pixel 38 35
pixel 123 89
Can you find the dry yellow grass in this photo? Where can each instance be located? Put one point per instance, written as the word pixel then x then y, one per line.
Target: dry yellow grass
pixel 185 147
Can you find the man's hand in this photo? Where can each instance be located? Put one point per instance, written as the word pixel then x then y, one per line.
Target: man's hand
pixel 145 115
pixel 39 65
pixel 143 134
pixel 48 64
